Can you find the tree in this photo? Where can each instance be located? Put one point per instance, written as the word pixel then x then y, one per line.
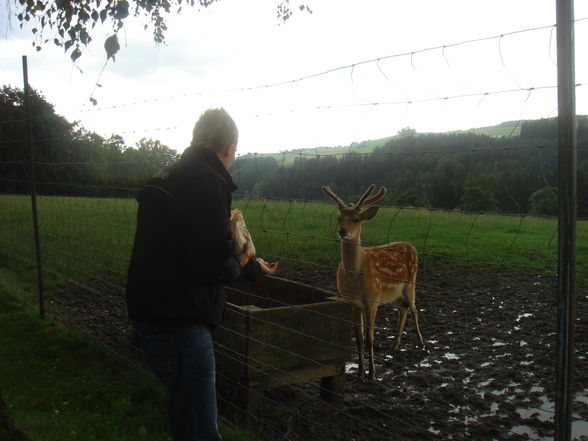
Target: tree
pixel 115 144
pixel 406 131
pixel 476 198
pixel 544 201
pixel 74 20
pixel 410 198
pixel 156 153
pixel 446 185
pixel 51 132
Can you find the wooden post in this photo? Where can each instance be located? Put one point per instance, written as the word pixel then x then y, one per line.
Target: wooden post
pixel 29 141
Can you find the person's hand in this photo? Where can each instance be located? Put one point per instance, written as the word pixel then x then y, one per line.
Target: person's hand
pixel 267 268
pixel 243 258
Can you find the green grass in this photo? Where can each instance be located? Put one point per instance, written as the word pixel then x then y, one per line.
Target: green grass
pixel 288 157
pixel 503 130
pixel 306 232
pixel 61 387
pixel 85 237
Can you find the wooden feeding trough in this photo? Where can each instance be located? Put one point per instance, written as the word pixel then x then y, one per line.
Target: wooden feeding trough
pixel 278 332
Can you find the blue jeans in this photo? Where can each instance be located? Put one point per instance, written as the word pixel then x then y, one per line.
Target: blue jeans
pixel 183 360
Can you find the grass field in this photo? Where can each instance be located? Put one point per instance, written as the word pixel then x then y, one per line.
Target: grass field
pixel 82 237
pixel 59 385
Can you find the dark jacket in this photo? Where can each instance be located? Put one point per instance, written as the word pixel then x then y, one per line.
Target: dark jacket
pixel 183 250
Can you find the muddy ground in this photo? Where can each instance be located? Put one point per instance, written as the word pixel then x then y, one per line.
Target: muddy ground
pixel 487 372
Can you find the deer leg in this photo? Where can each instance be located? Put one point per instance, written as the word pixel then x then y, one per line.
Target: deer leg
pixel 358 325
pixel 402 313
pixel 415 317
pixel 410 299
pixel 371 311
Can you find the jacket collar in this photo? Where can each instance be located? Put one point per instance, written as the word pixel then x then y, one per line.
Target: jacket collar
pixel 210 158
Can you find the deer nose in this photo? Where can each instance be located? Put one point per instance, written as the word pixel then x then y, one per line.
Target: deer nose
pixel 342 232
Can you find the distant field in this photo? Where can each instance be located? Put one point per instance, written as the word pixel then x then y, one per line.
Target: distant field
pixel 306 231
pixel 83 237
pixel 502 130
pixel 289 156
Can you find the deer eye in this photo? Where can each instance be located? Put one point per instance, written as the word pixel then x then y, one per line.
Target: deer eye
pixel 355 220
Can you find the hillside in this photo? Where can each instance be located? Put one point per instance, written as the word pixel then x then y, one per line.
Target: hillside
pixel 508 168
pixel 505 129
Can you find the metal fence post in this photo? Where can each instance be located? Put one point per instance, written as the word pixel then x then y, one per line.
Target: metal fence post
pixel 29 141
pixel 566 219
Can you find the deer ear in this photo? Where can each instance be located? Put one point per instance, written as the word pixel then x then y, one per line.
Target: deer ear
pixel 368 213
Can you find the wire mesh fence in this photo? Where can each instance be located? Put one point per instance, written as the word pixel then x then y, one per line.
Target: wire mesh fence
pixel 286 357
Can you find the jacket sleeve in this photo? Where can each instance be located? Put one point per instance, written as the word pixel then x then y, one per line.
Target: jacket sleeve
pixel 204 231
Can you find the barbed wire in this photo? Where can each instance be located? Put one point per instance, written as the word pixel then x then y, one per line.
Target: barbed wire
pixel 270 367
pixel 384 414
pixel 93 259
pixel 327 71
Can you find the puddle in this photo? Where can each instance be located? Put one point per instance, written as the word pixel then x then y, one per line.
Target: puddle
pixel 451 356
pixel 530 432
pixel 525 315
pixel 544 413
pixel 579 428
pixel 434 431
pixel 351 367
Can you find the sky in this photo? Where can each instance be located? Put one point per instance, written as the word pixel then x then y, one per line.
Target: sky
pixel 347 72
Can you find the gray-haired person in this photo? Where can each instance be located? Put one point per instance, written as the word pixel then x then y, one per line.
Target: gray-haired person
pixel 182 255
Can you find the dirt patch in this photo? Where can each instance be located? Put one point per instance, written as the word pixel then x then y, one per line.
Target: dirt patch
pixel 487 372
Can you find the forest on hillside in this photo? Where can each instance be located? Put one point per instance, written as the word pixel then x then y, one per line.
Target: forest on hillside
pixel 467 171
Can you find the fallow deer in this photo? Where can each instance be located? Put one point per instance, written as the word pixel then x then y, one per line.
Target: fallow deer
pixel 372 276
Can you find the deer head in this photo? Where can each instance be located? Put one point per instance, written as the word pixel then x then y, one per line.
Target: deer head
pixel 350 218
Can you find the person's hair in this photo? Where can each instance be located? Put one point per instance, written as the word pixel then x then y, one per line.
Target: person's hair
pixel 215 129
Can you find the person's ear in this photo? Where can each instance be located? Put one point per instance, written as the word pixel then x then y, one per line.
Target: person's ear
pixel 225 151
pixel 227 154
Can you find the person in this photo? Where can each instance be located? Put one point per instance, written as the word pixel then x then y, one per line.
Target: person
pixel 182 255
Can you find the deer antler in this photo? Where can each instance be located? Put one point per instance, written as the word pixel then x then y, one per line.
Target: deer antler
pixel 363 201
pixel 333 196
pixel 365 195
